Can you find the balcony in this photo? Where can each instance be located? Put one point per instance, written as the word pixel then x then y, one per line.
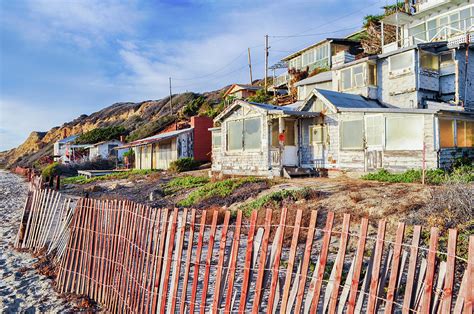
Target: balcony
pixel 281 80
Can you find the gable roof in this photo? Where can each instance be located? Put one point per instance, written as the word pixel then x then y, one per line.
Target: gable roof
pixel 344 100
pixel 342 41
pixel 237 87
pixel 263 108
pixel 157 138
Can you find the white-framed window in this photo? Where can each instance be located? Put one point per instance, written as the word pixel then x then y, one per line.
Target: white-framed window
pixel 404 132
pixel 446 59
pixel 317 134
pixel 464 133
pixel 374 130
pixel 352 134
pixel 216 139
pixel 401 63
pixel 244 134
pixel 353 77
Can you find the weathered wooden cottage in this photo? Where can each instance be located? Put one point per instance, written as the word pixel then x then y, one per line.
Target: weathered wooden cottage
pixel 158 151
pixel 106 149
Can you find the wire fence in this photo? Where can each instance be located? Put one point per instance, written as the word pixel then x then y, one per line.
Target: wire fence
pixel 133 258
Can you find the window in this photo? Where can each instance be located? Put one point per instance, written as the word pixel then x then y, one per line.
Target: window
pixel 234 135
pixel 216 139
pixel 289 132
pixel 465 18
pixel 404 133
pixel 374 129
pixel 317 134
pixel 352 134
pixel 372 69
pixel 465 133
pixel 308 57
pixel 418 32
pixel 429 61
pixel 446 59
pixel 275 132
pixel 358 74
pixel 432 28
pixel 244 134
pixel 402 62
pixel 446 133
pixel 252 138
pixel 346 79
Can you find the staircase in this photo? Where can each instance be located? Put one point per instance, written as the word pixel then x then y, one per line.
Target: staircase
pixel 293 172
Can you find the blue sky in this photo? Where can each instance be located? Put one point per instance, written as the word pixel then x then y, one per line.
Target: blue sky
pixel 61 59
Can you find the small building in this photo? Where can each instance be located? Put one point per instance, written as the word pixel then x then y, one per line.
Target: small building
pixel 242 91
pixel 333 132
pixel 158 151
pixel 66 151
pixel 106 150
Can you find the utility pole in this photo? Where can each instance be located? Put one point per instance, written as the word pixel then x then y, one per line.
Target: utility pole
pixel 266 63
pixel 250 67
pixel 171 100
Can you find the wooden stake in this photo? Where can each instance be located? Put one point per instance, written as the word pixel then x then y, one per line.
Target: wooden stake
pixel 397 250
pixel 233 262
pixel 248 261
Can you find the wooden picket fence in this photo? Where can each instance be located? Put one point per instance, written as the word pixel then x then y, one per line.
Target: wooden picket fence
pixel 132 258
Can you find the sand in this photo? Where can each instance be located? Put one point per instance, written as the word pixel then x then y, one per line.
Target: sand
pixel 22 288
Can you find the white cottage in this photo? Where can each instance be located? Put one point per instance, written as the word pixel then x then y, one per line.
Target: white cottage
pixel 106 149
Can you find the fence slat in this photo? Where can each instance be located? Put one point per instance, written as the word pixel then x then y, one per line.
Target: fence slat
pixel 306 259
pixel 262 261
pixel 447 296
pixel 469 299
pixel 430 271
pixel 159 257
pixel 395 267
pixel 340 263
pixel 177 270
pixel 168 257
pixel 374 281
pixel 220 264
pixel 233 262
pixel 248 261
pixel 411 270
pixel 323 254
pixel 189 251
pixel 197 262
pixel 291 262
pixel 210 249
pixel 358 265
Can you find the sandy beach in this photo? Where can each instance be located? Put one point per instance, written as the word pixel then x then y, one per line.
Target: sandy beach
pixel 22 288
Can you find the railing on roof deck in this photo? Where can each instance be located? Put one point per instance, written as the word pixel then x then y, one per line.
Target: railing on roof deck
pixel 282 79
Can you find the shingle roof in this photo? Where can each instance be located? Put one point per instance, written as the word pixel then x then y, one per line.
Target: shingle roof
pixel 157 138
pixel 344 100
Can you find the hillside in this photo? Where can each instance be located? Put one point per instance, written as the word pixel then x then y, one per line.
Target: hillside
pixel 138 118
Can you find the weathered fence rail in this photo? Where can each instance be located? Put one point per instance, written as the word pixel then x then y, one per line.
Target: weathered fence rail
pixel 133 258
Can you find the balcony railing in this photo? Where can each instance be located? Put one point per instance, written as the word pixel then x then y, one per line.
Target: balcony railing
pixel 281 80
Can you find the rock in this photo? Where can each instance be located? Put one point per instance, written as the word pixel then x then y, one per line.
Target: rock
pixel 115 186
pixel 156 193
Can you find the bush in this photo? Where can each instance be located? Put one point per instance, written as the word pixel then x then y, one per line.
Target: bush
pixel 187 182
pixel 432 176
pixel 51 170
pixel 192 107
pixel 260 97
pixel 212 189
pixel 183 164
pixel 101 134
pixel 113 176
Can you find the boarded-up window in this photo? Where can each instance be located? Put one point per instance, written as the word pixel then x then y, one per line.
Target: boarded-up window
pixel 216 139
pixel 374 127
pixel 401 62
pixel 465 133
pixel 352 134
pixel 446 133
pixel 429 61
pixel 252 133
pixel 234 134
pixel 404 133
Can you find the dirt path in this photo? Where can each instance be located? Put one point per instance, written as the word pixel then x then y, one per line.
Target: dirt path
pixel 22 288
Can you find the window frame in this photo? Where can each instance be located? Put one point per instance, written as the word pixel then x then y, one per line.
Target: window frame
pixel 341 135
pixel 401 71
pixel 242 149
pixel 216 134
pixel 381 135
pixel 404 148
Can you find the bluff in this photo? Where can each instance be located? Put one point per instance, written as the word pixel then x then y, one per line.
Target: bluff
pixel 137 118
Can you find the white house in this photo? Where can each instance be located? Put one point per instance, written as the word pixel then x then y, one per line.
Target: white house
pixel 106 149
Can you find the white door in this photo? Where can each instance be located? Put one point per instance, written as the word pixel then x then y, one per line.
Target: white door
pixel 290 150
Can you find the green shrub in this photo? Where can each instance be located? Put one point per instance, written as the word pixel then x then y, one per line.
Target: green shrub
pixel 113 176
pixel 183 164
pixel 260 97
pixel 276 198
pixel 186 182
pixel 192 107
pixel 212 189
pixel 432 176
pixel 101 134
pixel 51 170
